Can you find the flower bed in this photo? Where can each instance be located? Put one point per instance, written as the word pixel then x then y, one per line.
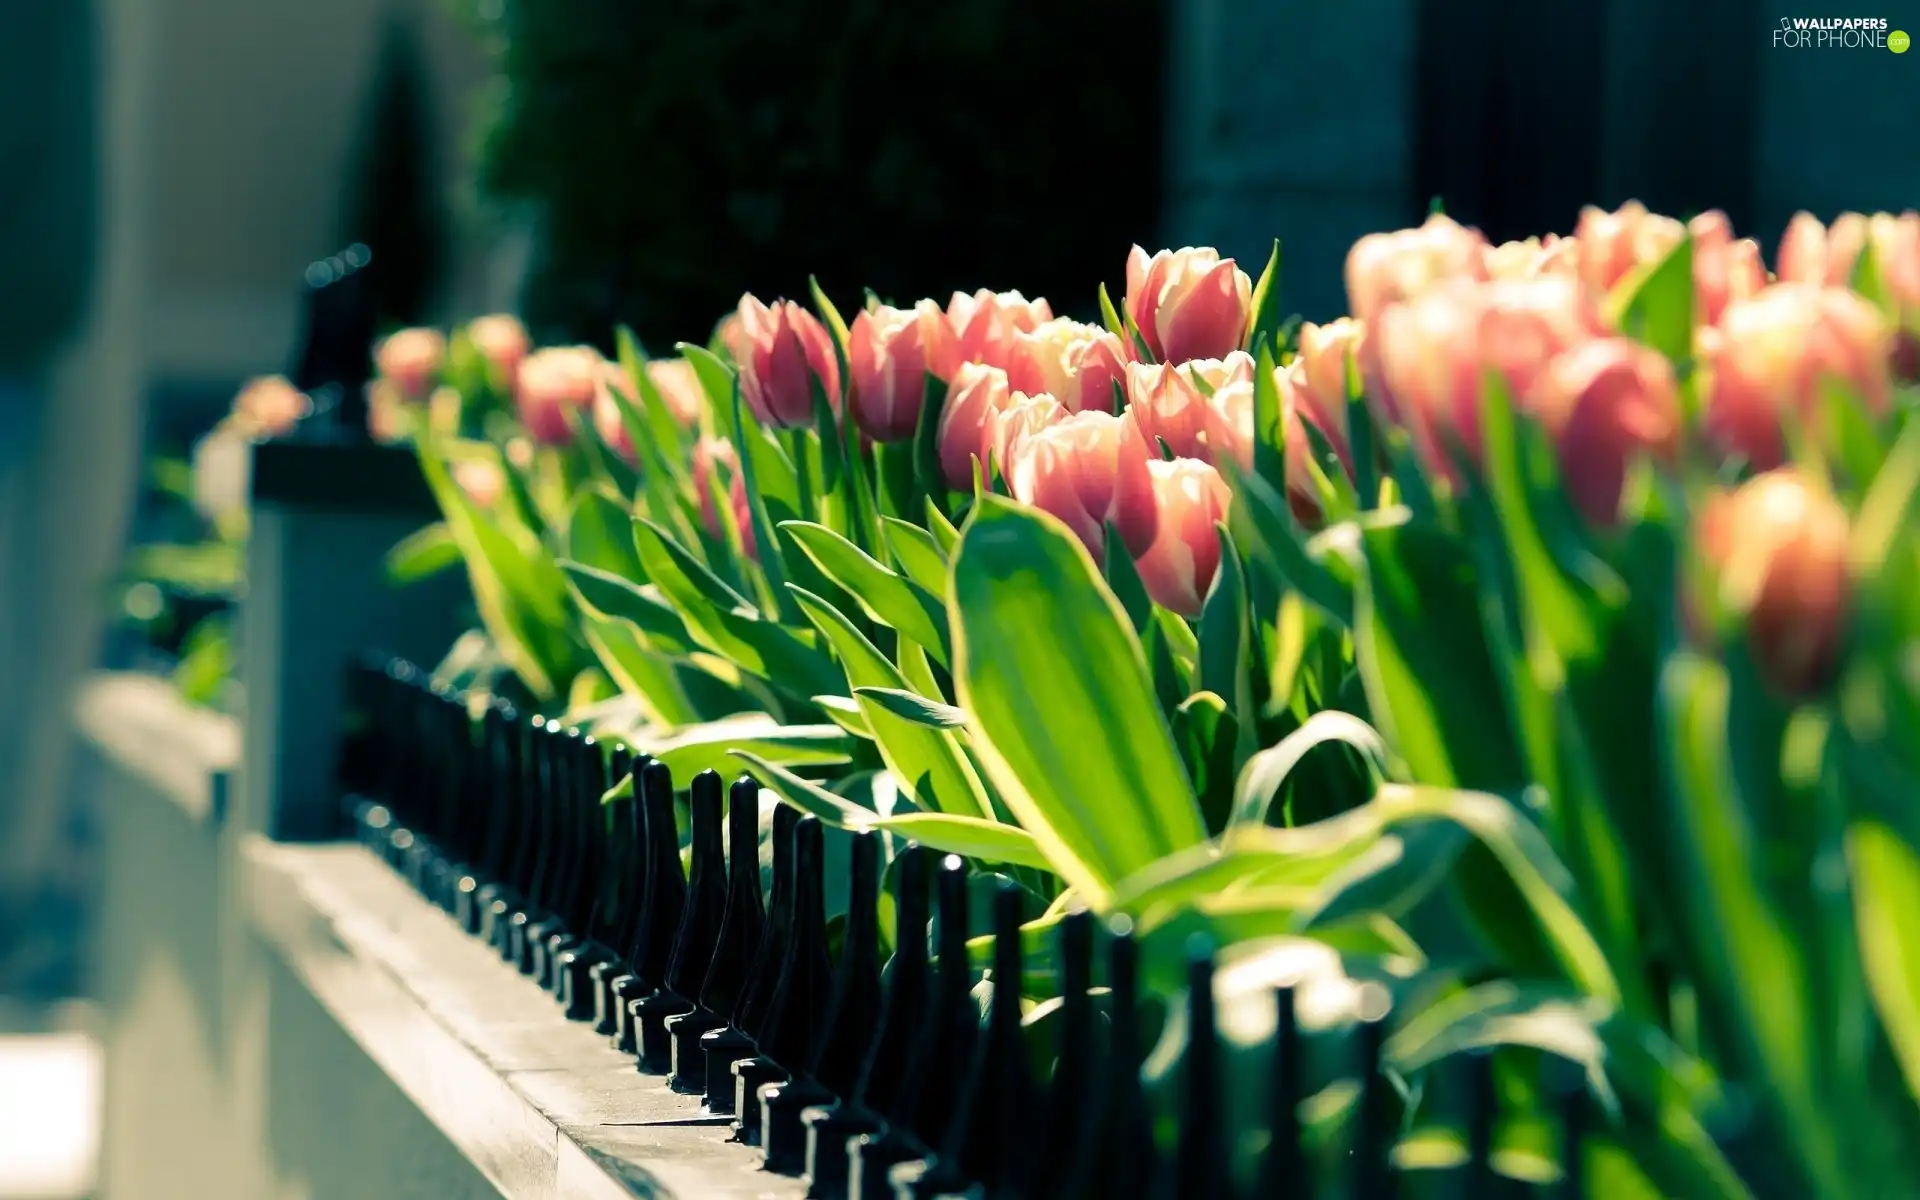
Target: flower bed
pixel 1525 658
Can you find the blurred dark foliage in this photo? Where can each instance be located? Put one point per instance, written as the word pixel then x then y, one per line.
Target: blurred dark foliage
pixel 394 203
pixel 677 154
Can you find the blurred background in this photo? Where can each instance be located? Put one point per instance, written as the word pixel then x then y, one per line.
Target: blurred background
pixel 171 167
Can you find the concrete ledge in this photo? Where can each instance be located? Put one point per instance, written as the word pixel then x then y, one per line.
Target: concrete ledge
pixel 141 725
pixel 542 1106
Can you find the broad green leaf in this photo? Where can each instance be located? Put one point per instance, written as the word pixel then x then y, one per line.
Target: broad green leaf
pixel 1123 577
pixel 644 605
pixel 600 534
pixel 726 622
pixel 1110 316
pixel 920 557
pixel 926 454
pixel 845 712
pixel 1228 648
pixel 1888 509
pixel 928 763
pixel 808 796
pixel 655 419
pixel 1869 279
pixel 206 569
pixel 751 453
pixel 1263 774
pixel 717 382
pixel 1266 318
pixel 914 707
pixel 648 676
pixel 944 534
pixel 1262 523
pixel 1654 304
pixel 1269 420
pixel 1065 719
pixel 971 837
pixel 709 746
pixel 1205 731
pixel 425 552
pixel 891 599
pixel 1886 896
pixel 1422 655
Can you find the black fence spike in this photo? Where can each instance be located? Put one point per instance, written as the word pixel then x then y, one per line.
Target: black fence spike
pixel 1373 1174
pixel 831 1128
pixel 559 930
pixel 538 838
pixel 663 904
pixel 1071 1088
pixel 1572 1103
pixel 699 925
pixel 1127 1160
pixel 724 1047
pixel 1285 1173
pixel 508 895
pixel 734 948
pixel 574 984
pixel 943 1048
pixel 1200 1161
pixel 996 1135
pixel 625 867
pixel 798 1008
pixel 833 1064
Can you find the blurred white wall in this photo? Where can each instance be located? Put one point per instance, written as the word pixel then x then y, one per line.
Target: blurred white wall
pixel 227 128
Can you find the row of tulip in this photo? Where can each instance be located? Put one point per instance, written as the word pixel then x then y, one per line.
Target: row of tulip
pixel 1535 642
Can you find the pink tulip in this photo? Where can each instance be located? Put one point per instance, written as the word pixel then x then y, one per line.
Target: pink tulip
pixel 890 355
pixel 410 360
pixel 482 481
pixel 1813 253
pixel 502 341
pixel 987 322
pixel 1777 549
pixel 553 382
pixel 712 455
pixel 1013 426
pixel 1551 255
pixel 1725 268
pixel 1613 244
pixel 678 388
pixel 1076 364
pixel 1771 354
pixel 1090 470
pixel 1178 568
pixel 780 352
pixel 270 406
pixel 1434 353
pixel 969 425
pixel 1605 403
pixel 1188 304
pixel 1384 269
pixel 1319 377
pixel 1182 405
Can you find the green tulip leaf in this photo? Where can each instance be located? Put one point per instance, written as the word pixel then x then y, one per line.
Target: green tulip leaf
pixel 928 763
pixel 920 557
pixel 422 554
pixel 600 534
pixel 914 707
pixel 891 599
pixel 1263 774
pixel 709 746
pixel 1654 304
pixel 1265 322
pixel 1064 714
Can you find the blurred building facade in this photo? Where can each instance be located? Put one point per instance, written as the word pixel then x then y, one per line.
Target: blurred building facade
pixel 1319 122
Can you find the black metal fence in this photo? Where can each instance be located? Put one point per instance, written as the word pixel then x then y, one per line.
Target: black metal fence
pixel 870 1080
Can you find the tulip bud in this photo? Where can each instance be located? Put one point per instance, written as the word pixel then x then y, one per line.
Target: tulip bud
pixel 1384 269
pixel 1188 304
pixel 482 481
pixel 1303 497
pixel 502 341
pixel 1772 353
pixel 891 352
pixel 672 379
pixel 410 360
pixel 1813 253
pixel 969 425
pixel 269 406
pixel 1076 364
pixel 987 322
pixel 711 455
pixel 553 382
pixel 1090 470
pixel 780 351
pixel 1605 403
pixel 1175 403
pixel 1725 268
pixel 1776 550
pixel 679 389
pixel 1178 568
pixel 1434 353
pixel 1612 244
